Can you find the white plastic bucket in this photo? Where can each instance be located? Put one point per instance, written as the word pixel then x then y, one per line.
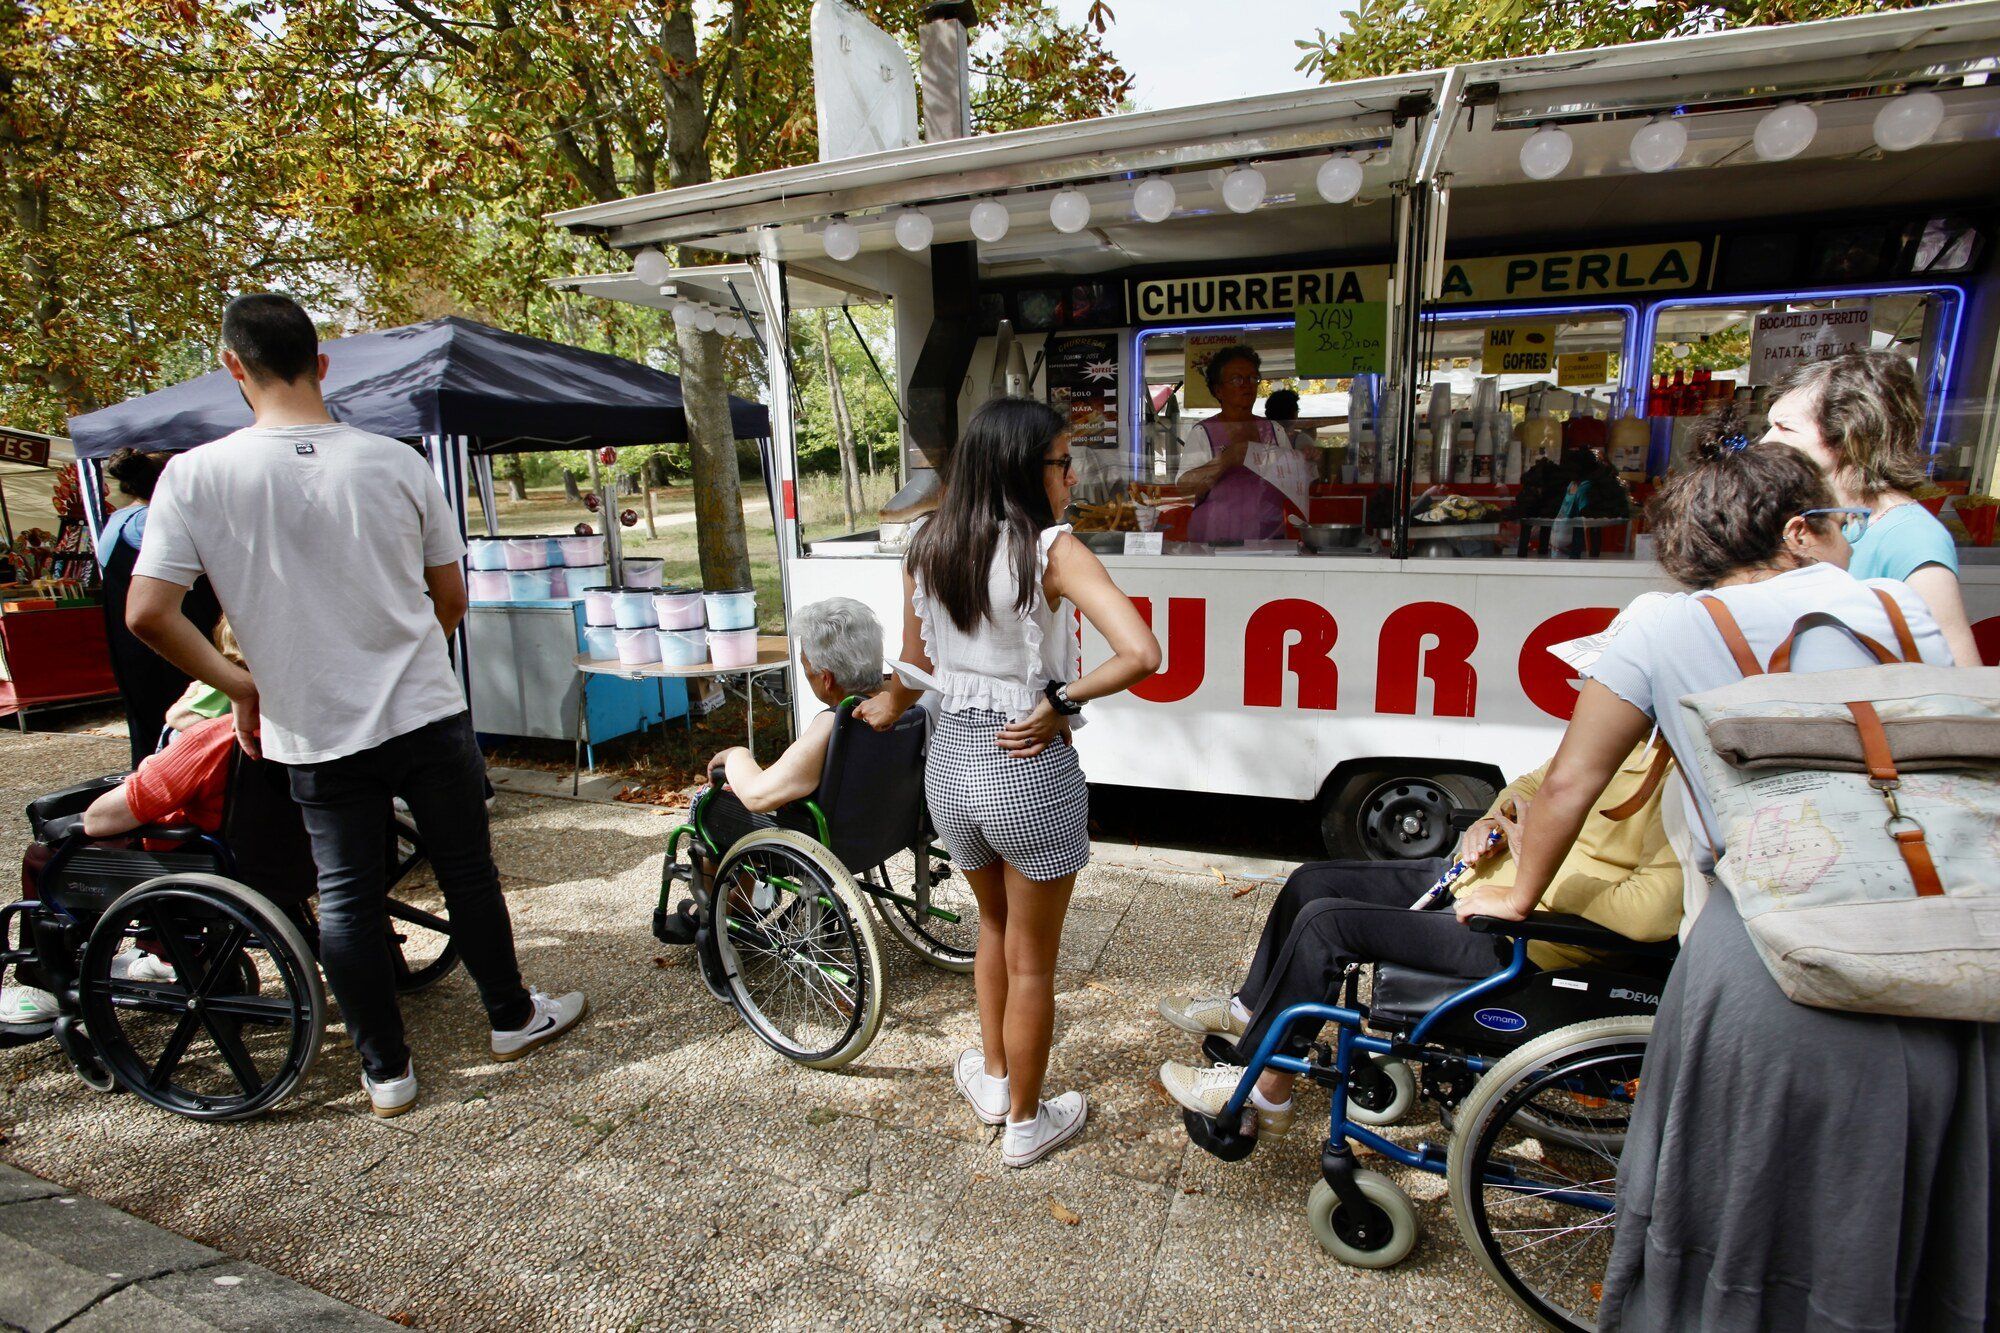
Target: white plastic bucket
pixel 679 608
pixel 633 610
pixel 683 647
pixel 487 554
pixel 637 647
pixel 733 609
pixel 582 550
pixel 581 577
pixel 601 643
pixel 488 585
pixel 645 573
pixel 529 585
pixel 732 647
pixel 600 606
pixel 531 553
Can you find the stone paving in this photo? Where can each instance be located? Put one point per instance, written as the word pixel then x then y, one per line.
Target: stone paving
pixel 661 1168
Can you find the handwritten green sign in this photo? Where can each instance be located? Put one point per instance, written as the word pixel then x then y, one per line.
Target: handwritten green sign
pixel 1337 341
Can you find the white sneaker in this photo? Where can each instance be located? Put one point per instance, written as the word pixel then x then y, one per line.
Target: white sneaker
pixel 553 1016
pixel 988 1095
pixel 1202 1015
pixel 1056 1122
pixel 27 1004
pixel 138 965
pixel 1207 1092
pixel 392 1096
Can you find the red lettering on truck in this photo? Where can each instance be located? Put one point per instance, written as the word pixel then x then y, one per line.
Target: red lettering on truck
pixel 1183 648
pixel 1269 650
pixel 1401 658
pixel 1547 680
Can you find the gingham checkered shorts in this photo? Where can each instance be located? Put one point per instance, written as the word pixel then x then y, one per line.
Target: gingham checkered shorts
pixel 1032 813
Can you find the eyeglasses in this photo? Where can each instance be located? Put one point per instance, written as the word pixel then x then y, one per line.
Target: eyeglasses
pixel 1853 522
pixel 1067 463
pixel 1238 378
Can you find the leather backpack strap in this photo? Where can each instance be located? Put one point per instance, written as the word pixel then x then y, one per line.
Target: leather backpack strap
pixel 1732 635
pixel 1781 661
pixel 1656 772
pixel 1883 777
pixel 1901 625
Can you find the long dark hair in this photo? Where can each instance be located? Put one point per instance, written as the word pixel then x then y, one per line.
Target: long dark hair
pixel 136 473
pixel 1729 509
pixel 993 487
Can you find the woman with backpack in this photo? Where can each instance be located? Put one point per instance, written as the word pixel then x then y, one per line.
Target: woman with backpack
pixel 988 589
pixel 1787 1166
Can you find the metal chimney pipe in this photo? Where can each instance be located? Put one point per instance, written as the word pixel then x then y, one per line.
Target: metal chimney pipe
pixel 944 68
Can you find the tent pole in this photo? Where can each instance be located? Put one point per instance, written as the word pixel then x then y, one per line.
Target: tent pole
pixel 482 477
pixel 449 457
pixel 769 273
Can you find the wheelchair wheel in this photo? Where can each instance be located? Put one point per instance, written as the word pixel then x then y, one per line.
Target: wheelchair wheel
pixel 1382 1238
pixel 797 948
pixel 1537 1209
pixel 420 943
pixel 947 936
pixel 209 1044
pixel 1380 1090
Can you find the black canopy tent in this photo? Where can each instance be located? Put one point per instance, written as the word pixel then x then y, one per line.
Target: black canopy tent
pixel 460 389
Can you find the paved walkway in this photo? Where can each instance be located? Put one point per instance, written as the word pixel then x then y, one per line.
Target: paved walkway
pixel 660 1168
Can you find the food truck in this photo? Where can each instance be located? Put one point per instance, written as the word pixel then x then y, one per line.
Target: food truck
pixel 1463 272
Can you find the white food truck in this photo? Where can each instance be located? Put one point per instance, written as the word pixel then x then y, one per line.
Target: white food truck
pixel 1458 268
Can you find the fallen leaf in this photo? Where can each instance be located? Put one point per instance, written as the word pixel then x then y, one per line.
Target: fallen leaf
pixel 825 1115
pixel 1193 1189
pixel 980 1177
pixel 1161 1088
pixel 1063 1215
pixel 1098 985
pixel 1220 878
pixel 1247 888
pixel 406 1320
pixel 666 960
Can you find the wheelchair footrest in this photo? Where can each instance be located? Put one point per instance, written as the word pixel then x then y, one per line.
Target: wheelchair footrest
pixel 21 1034
pixel 1214 1138
pixel 675 927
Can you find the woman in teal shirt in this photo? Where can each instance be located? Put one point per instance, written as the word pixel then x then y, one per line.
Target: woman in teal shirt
pixel 1860 418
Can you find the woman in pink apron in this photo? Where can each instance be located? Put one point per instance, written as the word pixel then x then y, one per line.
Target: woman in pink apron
pixel 1250 480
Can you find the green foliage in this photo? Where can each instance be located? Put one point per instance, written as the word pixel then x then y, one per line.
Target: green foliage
pixel 869 405
pixel 1727 350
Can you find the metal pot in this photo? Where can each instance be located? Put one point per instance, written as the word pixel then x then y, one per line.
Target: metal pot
pixel 1332 536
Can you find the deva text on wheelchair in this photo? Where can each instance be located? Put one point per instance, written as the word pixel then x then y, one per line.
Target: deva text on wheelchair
pixel 181 961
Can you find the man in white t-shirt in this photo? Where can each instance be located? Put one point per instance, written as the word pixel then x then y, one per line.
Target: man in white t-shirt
pixel 336 557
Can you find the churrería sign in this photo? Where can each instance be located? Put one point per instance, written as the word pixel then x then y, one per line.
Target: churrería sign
pixel 1569 274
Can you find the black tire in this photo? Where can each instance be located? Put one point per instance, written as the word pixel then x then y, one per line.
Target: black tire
pixel 420 943
pixel 204 1045
pixel 1398 813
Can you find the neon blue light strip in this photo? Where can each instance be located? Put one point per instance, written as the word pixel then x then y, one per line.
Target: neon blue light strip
pixel 1139 404
pixel 1953 299
pixel 1628 350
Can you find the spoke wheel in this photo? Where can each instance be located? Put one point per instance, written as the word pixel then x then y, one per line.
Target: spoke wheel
pixel 1539 1209
pixel 933 936
pixel 239 1025
pixel 420 944
pixel 797 948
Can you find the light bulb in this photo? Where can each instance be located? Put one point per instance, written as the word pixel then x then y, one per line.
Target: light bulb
pixel 1153 199
pixel 1658 144
pixel 651 267
pixel 1339 179
pixel 1785 131
pixel 914 230
pixel 704 319
pixel 1546 152
pixel 842 240
pixel 1069 210
pixel 683 315
pixel 989 220
pixel 1908 121
pixel 1243 189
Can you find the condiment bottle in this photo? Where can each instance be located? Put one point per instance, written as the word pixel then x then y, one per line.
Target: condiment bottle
pixel 1538 434
pixel 1629 440
pixel 1482 453
pixel 1582 430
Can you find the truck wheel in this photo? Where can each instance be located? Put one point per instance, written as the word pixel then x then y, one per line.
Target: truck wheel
pixel 1397 814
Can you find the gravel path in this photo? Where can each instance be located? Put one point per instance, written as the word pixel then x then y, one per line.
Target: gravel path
pixel 660 1168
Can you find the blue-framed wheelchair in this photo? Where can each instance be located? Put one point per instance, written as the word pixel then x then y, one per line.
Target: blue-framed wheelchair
pixel 1534 1074
pixel 779 904
pixel 183 962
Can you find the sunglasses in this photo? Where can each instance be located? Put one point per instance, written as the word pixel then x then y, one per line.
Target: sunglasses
pixel 1853 522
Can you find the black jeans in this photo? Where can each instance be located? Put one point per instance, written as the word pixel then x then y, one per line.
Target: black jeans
pixel 1332 913
pixel 440 774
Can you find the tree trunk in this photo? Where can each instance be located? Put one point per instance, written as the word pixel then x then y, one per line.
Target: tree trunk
pixel 718 490
pixel 570 490
pixel 646 485
pixel 517 478
pixel 843 432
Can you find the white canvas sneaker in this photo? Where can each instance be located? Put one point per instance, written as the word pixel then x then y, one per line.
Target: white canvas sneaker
pixel 1202 1015
pixel 1207 1091
pixel 27 1004
pixel 553 1016
pixel 138 965
pixel 987 1094
pixel 1057 1121
pixel 392 1096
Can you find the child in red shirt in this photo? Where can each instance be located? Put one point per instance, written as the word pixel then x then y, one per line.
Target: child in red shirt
pixel 182 784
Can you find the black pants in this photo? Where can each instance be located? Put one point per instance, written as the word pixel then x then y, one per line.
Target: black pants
pixel 440 774
pixel 1332 913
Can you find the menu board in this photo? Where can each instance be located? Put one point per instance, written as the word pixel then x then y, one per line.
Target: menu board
pixel 1083 385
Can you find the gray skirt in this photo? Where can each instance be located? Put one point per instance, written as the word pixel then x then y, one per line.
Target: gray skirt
pixel 1791 1167
pixel 985 803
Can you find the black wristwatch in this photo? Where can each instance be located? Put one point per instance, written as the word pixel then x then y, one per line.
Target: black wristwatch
pixel 1059 699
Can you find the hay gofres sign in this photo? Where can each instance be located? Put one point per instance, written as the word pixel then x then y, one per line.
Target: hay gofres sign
pixel 1605 272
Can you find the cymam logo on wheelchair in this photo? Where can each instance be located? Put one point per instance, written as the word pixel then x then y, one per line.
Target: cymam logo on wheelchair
pixel 1533 1074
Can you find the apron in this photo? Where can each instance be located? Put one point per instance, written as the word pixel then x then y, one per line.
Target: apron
pixel 1252 502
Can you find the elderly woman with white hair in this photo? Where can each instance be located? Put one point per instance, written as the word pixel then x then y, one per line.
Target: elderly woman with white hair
pixel 840 650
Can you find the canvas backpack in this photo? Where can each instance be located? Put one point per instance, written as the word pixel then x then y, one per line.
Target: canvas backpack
pixel 1857 821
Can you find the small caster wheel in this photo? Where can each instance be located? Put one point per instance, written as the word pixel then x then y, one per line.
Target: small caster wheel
pixel 1380 1091
pixel 1380 1238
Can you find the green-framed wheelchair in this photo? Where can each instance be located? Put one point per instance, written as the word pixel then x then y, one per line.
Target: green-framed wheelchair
pixel 780 906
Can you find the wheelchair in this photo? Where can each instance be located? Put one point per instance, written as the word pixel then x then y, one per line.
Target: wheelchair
pixel 780 904
pixel 232 1022
pixel 1534 1074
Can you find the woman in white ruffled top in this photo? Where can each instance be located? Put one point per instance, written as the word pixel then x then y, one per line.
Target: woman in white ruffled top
pixel 992 584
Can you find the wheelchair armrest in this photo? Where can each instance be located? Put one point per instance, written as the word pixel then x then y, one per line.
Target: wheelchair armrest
pixel 69 828
pixel 167 832
pixel 1560 928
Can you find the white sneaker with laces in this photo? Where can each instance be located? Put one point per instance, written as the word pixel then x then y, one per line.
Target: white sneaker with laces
pixel 988 1095
pixel 392 1096
pixel 138 965
pixel 553 1016
pixel 1057 1121
pixel 1202 1015
pixel 1207 1092
pixel 23 1005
